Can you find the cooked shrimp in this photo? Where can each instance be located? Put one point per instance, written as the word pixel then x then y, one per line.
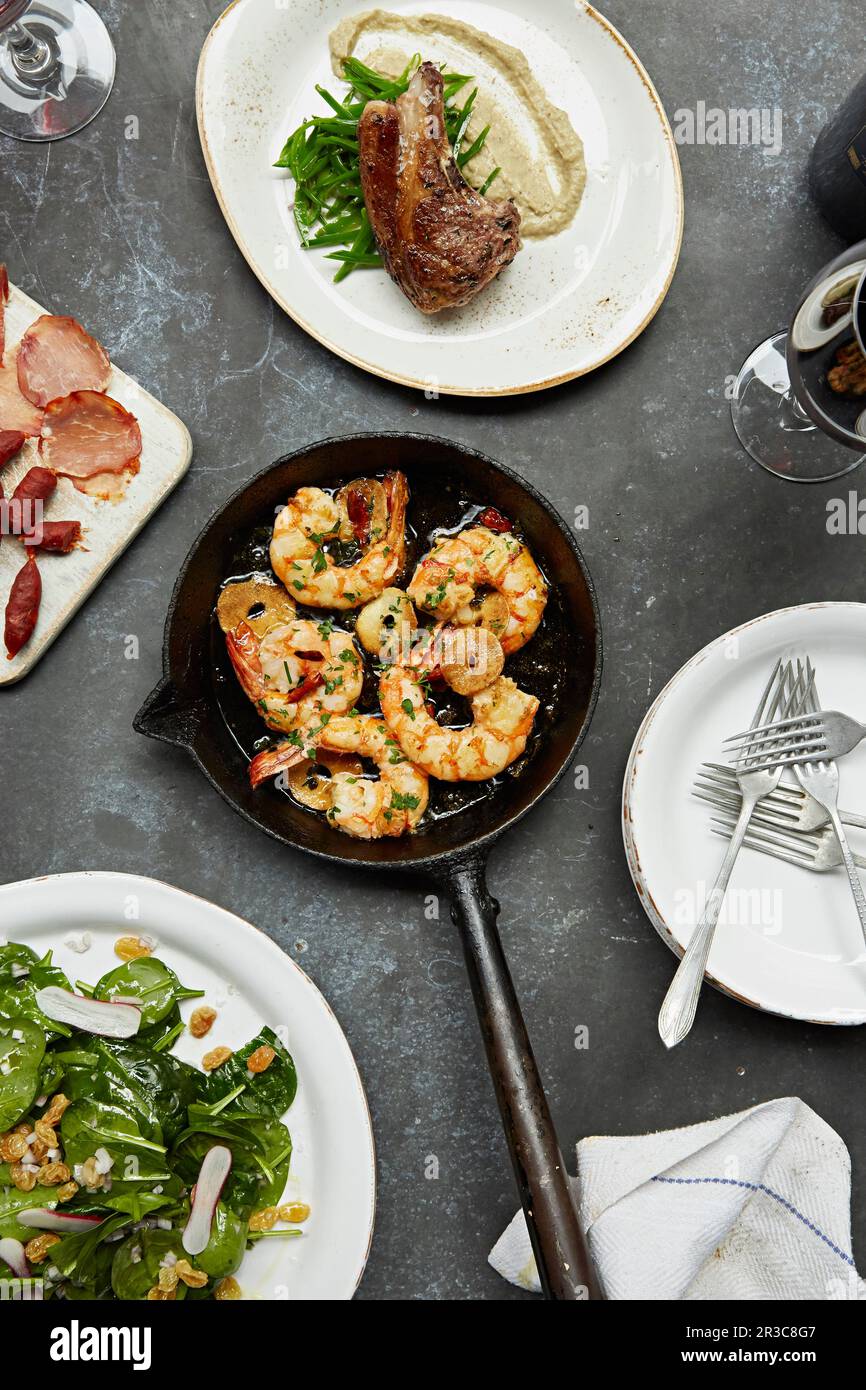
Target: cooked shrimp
pixel 365 807
pixel 446 581
pixel 370 513
pixel 297 672
pixel 502 719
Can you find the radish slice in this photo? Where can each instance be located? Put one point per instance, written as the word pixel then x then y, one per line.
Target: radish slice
pixel 92 1015
pixel 215 1168
pixel 12 1251
pixel 67 1222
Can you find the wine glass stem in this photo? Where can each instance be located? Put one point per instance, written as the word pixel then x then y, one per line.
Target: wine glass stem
pixel 32 57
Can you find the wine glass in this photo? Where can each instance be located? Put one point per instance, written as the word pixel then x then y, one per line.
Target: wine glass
pixel 799 402
pixel 56 67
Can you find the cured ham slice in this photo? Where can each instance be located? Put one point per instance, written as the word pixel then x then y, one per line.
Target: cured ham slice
pixel 16 412
pixel 4 300
pixel 56 357
pixel 87 434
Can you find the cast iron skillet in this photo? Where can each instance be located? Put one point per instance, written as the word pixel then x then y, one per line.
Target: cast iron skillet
pixel 199 706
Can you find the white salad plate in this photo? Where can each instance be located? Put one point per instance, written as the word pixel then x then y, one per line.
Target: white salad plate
pixel 108 527
pixel 789 940
pixel 567 304
pixel 250 982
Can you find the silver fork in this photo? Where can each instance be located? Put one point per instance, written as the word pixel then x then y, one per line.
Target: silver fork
pixel 819 852
pixel 789 808
pixel 821 781
pixel 822 735
pixel 677 1013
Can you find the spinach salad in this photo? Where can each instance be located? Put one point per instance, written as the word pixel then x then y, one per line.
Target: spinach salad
pixel 126 1173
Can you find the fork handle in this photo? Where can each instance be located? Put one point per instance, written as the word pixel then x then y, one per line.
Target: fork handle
pixel 850 865
pixel 677 1013
pixel 850 818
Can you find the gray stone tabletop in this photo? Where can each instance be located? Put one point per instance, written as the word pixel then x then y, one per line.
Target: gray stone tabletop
pixel 126 234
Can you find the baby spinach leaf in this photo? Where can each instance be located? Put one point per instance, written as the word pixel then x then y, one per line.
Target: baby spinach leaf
pixel 83 1260
pixel 11 1202
pixel 225 1249
pixel 136 1263
pixel 93 1281
pixel 99 1075
pixel 140 1202
pixel 153 1086
pixel 261 1153
pixel 161 1029
pixel 269 1092
pixel 89 1125
pixel 22 1045
pixel 50 1075
pixel 148 983
pixel 18 994
pixel 13 955
pixel 168 1084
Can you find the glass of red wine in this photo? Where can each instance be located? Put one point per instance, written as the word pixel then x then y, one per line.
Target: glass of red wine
pixel 799 402
pixel 56 67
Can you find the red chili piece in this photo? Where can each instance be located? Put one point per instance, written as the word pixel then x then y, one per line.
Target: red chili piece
pixel 22 610
pixel 494 520
pixel 360 514
pixel 307 684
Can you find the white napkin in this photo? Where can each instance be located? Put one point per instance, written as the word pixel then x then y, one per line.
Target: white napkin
pixel 750 1206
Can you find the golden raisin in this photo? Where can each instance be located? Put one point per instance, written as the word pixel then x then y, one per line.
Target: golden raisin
pixel 264 1220
pixel 261 1059
pixel 37 1248
pixel 58 1105
pixel 90 1174
pixel 202 1020
pixel 156 1294
pixel 67 1191
pixel 22 1178
pixel 38 1150
pixel 193 1278
pixel 211 1060
pixel 45 1133
pixel 131 947
pixel 13 1146
pixel 227 1288
pixel 53 1174
pixel 168 1278
pixel 296 1212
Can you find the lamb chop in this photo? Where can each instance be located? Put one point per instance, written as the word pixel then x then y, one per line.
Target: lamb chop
pixel 440 240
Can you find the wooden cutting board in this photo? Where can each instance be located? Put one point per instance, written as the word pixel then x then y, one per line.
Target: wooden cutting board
pixel 67 580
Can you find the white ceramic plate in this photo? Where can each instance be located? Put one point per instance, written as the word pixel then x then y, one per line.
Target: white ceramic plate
pixel 563 307
pixel 250 981
pixel 67 580
pixel 792 942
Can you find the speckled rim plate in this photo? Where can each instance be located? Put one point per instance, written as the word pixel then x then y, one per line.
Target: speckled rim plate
pixel 250 981
pixel 564 307
pixel 791 944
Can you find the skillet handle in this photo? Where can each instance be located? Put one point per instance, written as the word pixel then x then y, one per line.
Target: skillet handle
pixel 166 716
pixel 560 1249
